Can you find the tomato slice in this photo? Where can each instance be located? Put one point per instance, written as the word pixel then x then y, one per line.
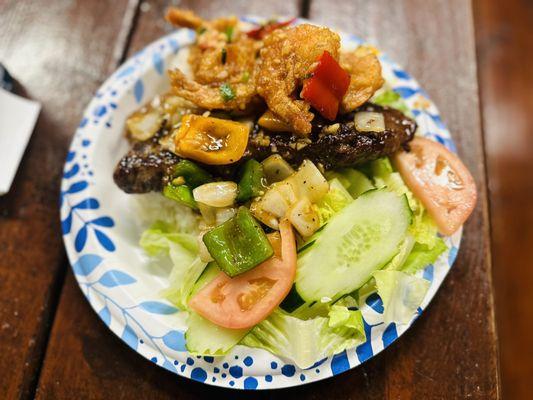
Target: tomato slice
pixel 247 299
pixel 440 180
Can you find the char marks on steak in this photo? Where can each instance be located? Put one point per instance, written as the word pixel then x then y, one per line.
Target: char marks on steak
pixel 147 166
pixel 344 147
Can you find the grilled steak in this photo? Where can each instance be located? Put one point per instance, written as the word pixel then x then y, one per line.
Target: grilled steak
pixel 144 168
pixel 147 166
pixel 341 147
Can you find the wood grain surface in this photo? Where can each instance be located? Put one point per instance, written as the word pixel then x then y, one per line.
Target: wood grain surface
pixel 449 353
pixel 505 59
pixel 449 362
pixel 60 51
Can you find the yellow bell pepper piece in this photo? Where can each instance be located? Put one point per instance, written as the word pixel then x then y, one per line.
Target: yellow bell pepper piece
pixel 211 141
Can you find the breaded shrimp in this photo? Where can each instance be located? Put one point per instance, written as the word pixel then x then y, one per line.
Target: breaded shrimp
pixel 365 77
pixel 222 55
pixel 211 97
pixel 183 18
pixel 288 57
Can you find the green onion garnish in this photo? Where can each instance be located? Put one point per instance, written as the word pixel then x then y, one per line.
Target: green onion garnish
pixel 226 91
pixel 229 33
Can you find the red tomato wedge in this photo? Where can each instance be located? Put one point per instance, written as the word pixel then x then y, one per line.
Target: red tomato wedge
pixel 245 300
pixel 440 180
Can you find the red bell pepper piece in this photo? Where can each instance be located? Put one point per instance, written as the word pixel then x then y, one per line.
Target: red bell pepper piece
pixel 321 98
pixel 331 73
pixel 327 86
pixel 262 31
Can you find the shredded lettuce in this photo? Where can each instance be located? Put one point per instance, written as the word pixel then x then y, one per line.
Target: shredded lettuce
pixel 341 316
pixel 182 249
pixel 384 176
pixel 335 200
pixel 354 181
pixel 401 294
pixel 151 207
pixel 423 228
pixel 422 255
pixel 311 310
pixel 304 341
pixel 388 97
pixel 399 259
pixel 181 282
pixel 162 237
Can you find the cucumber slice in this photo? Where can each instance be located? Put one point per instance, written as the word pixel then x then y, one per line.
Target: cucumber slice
pixel 207 339
pixel 357 241
pixel 202 336
pixel 292 301
pixel 207 276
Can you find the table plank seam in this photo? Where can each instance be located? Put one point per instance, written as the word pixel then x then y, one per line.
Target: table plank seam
pixel 487 194
pixel 46 327
pixel 122 45
pixel 305 7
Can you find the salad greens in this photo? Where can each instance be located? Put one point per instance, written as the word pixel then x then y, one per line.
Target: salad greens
pixel 181 282
pixel 393 238
pixel 306 341
pixel 341 316
pixel 354 181
pixel 388 97
pixel 182 249
pixel 422 255
pixel 401 294
pixel 334 200
pixel 161 237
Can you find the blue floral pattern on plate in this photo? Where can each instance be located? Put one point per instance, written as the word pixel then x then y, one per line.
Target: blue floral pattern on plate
pixel 113 273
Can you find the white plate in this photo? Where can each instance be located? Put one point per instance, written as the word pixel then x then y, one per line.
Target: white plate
pixel 101 235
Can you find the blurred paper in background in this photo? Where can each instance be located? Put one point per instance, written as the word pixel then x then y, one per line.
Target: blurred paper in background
pixel 17 119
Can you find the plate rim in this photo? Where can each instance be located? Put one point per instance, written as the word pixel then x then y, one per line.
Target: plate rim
pixel 74 256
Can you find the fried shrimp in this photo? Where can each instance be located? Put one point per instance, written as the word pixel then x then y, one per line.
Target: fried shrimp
pixel 222 62
pixel 211 97
pixel 365 77
pixel 287 58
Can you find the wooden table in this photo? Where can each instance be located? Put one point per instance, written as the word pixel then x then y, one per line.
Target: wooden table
pixel 53 344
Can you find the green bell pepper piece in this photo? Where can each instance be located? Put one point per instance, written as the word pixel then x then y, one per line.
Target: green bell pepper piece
pixel 193 175
pixel 239 244
pixel 253 181
pixel 180 193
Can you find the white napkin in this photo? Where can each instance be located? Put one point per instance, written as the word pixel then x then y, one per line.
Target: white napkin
pixel 17 119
